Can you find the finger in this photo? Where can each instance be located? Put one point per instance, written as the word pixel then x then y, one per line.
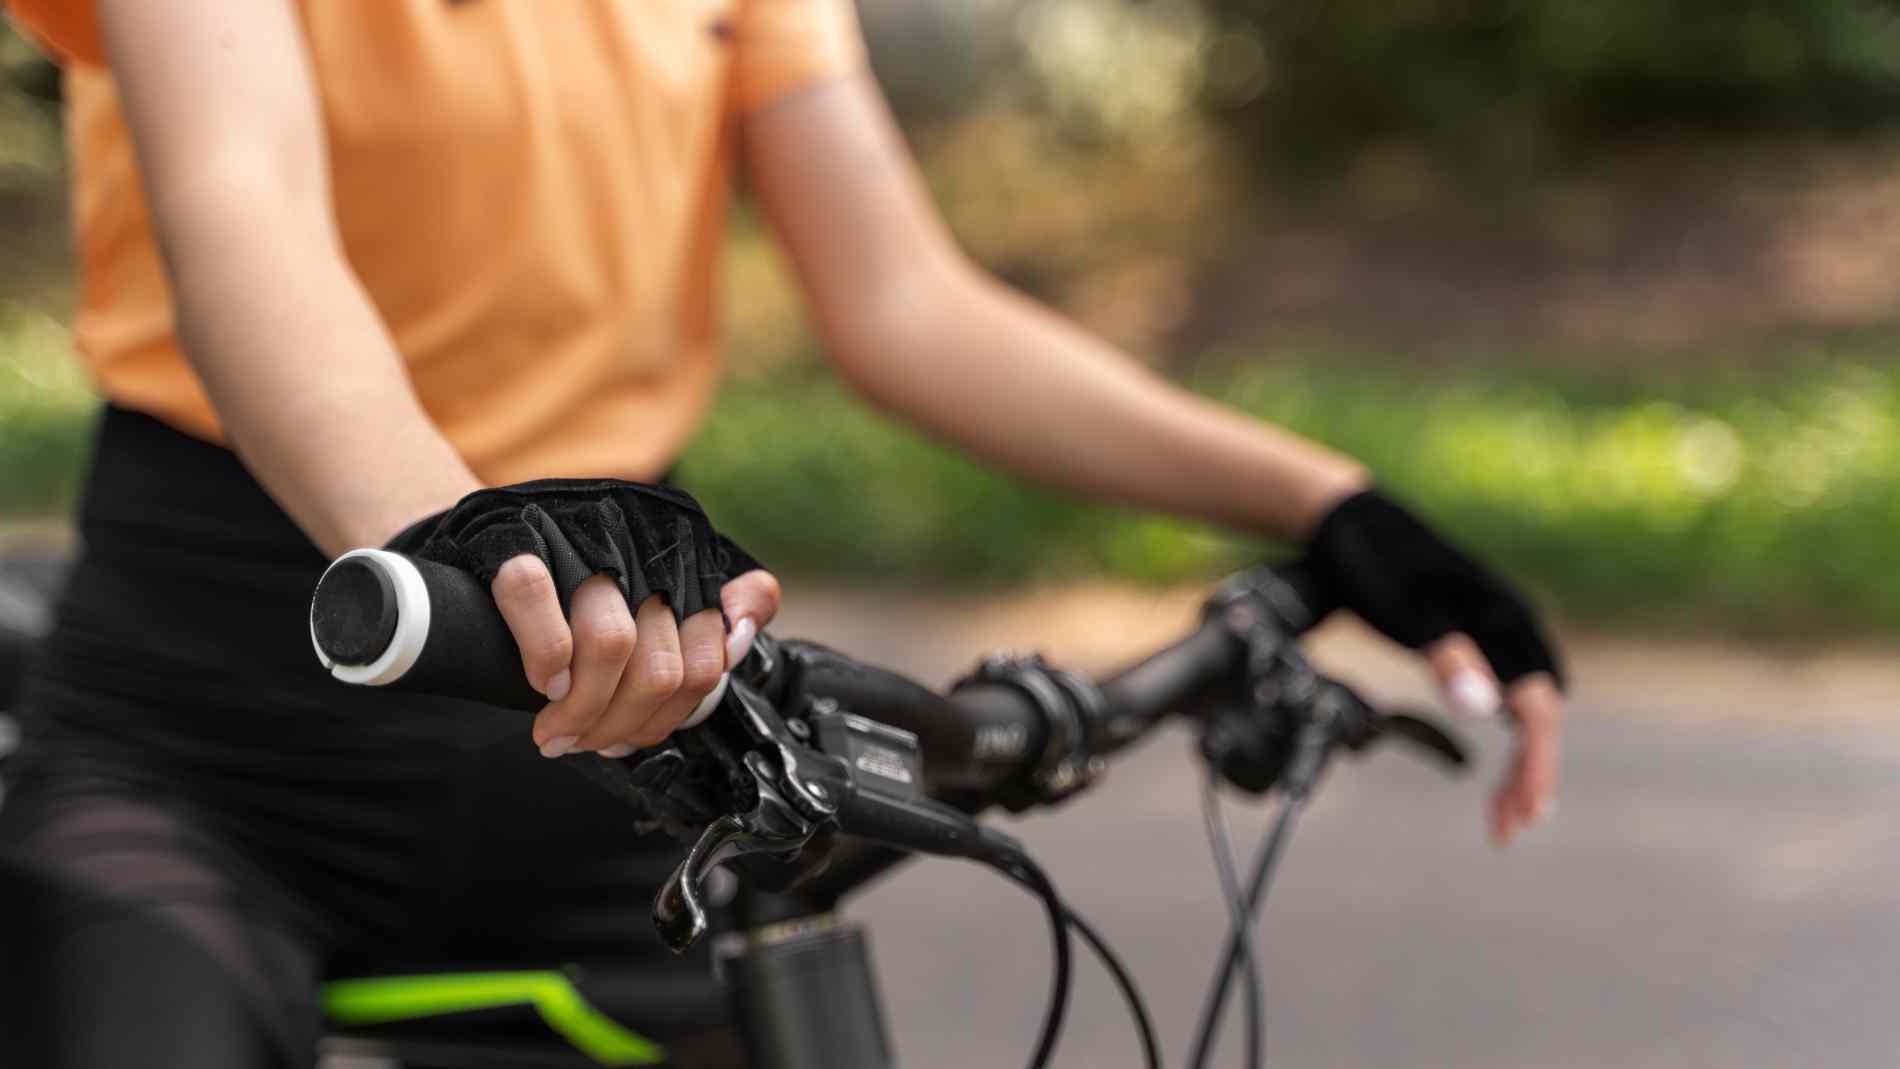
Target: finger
pixel 1503 807
pixel 702 661
pixel 1469 685
pixel 651 678
pixel 1508 806
pixel 751 602
pixel 1529 793
pixel 525 594
pixel 1539 708
pixel 604 640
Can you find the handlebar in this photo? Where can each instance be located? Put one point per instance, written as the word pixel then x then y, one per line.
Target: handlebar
pixel 810 742
pixel 383 619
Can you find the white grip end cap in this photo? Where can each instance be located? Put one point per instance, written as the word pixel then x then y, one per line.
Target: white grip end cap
pixel 412 622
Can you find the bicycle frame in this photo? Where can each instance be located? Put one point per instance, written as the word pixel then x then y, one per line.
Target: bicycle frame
pixel 799 979
pixel 802 993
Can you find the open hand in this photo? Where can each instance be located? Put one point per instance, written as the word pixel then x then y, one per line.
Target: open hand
pixel 1372 556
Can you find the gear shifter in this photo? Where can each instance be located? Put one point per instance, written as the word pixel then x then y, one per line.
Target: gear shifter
pixel 779 795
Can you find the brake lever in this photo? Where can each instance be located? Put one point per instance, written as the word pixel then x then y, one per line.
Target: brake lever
pixel 1421 732
pixel 794 793
pixel 772 827
pixel 753 785
pixel 1424 733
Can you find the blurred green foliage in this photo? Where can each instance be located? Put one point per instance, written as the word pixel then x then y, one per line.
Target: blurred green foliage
pixel 1755 502
pixel 1748 504
pixel 29 132
pixel 45 411
pixel 1494 88
pixel 1515 84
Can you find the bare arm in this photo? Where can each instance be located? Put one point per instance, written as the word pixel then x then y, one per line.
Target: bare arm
pixel 924 333
pixel 309 386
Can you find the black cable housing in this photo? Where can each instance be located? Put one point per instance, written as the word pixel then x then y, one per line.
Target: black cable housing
pixel 1021 869
pixel 1125 980
pixel 1264 863
pixel 1239 919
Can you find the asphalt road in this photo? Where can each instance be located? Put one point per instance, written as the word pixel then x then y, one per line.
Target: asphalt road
pixel 1715 891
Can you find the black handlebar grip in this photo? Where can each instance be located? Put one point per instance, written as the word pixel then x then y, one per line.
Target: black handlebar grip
pixel 383 619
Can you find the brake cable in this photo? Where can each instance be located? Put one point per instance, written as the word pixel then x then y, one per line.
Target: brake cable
pixel 1221 844
pixel 1022 870
pixel 1269 856
pixel 1019 867
pixel 1125 980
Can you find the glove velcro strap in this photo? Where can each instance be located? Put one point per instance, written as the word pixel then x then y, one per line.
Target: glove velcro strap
pixel 654 540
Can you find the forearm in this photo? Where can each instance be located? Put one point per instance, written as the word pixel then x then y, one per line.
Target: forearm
pixel 1007 379
pixel 305 378
pixel 226 119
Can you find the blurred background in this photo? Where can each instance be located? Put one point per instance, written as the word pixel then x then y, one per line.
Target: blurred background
pixel 1608 290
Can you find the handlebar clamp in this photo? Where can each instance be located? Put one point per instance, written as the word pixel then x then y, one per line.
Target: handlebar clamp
pixel 1067 703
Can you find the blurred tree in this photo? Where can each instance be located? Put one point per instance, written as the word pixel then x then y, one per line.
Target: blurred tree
pixel 26 71
pixel 35 267
pixel 938 61
pixel 29 97
pixel 1519 85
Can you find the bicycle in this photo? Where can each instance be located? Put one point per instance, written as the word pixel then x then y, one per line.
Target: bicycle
pixel 809 778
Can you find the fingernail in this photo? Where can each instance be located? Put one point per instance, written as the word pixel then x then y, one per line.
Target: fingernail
pixel 739 643
pixel 1474 695
pixel 558 687
pixel 559 745
pixel 618 750
pixel 1546 811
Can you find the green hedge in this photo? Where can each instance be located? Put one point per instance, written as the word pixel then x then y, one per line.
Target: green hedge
pixel 1757 503
pixel 45 411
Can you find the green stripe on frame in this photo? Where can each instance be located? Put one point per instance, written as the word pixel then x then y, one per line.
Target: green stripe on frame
pixel 382 999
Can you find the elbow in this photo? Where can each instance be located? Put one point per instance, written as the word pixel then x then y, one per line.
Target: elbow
pixel 887 330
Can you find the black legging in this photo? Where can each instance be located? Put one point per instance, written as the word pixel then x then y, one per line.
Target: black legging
pixel 92 982
pixel 202 826
pixel 135 930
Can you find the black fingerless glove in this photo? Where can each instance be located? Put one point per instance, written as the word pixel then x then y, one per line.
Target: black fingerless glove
pixel 1372 556
pixel 652 539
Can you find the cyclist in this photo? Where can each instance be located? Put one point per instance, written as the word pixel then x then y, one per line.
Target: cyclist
pixel 344 265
